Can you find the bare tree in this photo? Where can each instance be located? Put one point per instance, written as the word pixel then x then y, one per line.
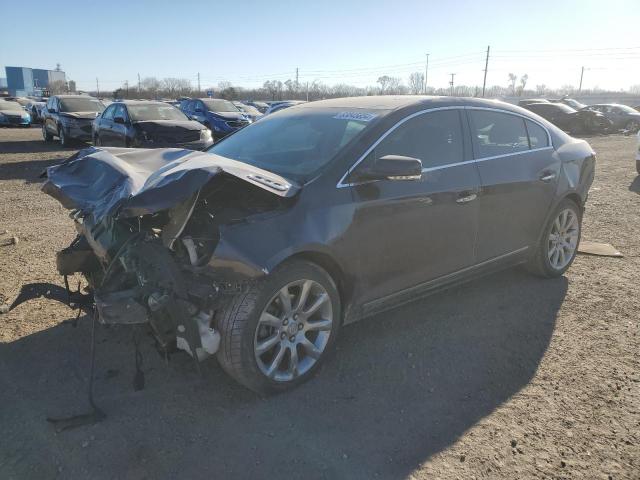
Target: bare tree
pixel 58 86
pixel 416 83
pixel 151 85
pixel 523 83
pixel 512 81
pixel 175 87
pixel 541 89
pixel 384 83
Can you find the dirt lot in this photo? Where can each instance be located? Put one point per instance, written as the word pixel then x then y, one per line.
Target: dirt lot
pixel 506 377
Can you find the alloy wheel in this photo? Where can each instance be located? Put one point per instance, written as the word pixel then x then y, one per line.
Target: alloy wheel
pixel 293 330
pixel 563 239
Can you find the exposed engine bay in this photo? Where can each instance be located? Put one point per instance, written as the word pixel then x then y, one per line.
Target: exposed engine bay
pixel 148 224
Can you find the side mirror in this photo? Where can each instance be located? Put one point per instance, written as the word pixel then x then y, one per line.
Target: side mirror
pixel 198 110
pixel 392 167
pixel 119 120
pixel 51 110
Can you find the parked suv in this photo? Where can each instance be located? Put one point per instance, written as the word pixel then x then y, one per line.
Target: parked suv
pixel 148 124
pixel 623 117
pixel 70 117
pixel 220 116
pixel 325 213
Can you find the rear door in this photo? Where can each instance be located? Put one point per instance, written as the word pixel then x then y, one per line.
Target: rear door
pixel 518 172
pixel 414 231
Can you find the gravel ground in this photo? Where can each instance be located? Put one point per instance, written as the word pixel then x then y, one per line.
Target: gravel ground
pixel 506 377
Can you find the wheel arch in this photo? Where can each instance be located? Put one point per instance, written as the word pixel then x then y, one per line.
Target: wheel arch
pixel 328 263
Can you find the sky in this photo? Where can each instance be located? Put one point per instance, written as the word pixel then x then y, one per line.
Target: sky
pixel 347 41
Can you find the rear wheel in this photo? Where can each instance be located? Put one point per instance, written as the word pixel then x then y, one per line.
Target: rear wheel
pixel 559 242
pixel 276 335
pixel 638 166
pixel 96 141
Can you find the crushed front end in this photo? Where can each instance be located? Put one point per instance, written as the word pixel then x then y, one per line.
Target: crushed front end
pixel 148 223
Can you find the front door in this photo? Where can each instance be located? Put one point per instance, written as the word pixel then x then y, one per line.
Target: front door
pixel 519 173
pixel 414 231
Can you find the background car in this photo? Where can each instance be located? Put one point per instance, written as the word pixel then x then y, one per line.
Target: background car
pixel 70 117
pixel 148 124
pixel 571 120
pixel 262 107
pixel 576 105
pixel 638 155
pixel 249 111
pixel 281 105
pixel 13 115
pixel 622 117
pixel 220 116
pixel 35 110
pixel 529 101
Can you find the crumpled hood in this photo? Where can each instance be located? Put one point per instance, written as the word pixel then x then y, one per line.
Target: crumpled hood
pixel 80 115
pixel 130 182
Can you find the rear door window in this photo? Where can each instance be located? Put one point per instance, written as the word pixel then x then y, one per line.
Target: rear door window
pixel 497 133
pixel 538 137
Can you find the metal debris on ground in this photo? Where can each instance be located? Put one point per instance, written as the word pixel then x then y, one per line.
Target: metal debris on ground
pixel 600 249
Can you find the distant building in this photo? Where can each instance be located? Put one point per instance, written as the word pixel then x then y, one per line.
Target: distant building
pixel 22 81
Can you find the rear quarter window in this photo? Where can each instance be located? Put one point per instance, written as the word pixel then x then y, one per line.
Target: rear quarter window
pixel 538 137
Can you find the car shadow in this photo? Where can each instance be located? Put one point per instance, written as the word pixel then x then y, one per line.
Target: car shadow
pixel 635 185
pixel 30 170
pixel 400 388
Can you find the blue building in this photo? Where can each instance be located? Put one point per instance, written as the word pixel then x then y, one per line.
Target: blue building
pixel 23 81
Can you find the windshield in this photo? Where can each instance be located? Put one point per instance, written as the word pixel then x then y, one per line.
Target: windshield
pixel 81 105
pixel 220 106
pixel 626 109
pixel 295 143
pixel 154 111
pixel 4 105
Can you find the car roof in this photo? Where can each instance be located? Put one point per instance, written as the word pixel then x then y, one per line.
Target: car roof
pixel 141 102
pixel 397 102
pixel 75 96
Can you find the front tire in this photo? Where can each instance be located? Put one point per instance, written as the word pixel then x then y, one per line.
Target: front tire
pixel 559 241
pixel 46 136
pixel 64 140
pixel 277 333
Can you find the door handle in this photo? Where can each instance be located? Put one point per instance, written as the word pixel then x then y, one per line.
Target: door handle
pixel 547 176
pixel 468 197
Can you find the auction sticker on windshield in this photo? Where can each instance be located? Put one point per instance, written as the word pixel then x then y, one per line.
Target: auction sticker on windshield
pixel 360 116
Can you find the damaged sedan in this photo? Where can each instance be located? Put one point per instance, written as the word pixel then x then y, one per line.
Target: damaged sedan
pixel 260 249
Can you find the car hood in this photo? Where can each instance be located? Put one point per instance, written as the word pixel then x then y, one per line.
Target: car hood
pixel 229 115
pixel 80 115
pixel 13 113
pixel 130 182
pixel 154 126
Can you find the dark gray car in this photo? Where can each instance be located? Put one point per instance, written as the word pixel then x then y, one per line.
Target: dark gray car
pixel 319 215
pixel 623 117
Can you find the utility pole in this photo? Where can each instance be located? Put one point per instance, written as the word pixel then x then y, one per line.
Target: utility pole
pixel 198 83
pixel 126 86
pixel 451 82
pixel 139 89
pixel 426 72
pixel 296 79
pixel 486 66
pixel 581 75
pixel 97 87
pixel 307 91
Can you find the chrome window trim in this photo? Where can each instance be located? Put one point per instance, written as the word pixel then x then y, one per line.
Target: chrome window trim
pixel 341 183
pixel 517 115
